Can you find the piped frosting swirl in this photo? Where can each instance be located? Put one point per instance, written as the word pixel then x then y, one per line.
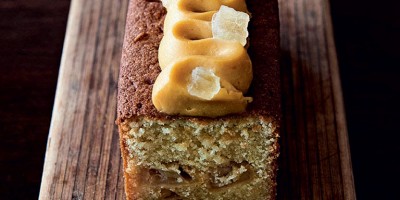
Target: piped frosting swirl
pixel 203 73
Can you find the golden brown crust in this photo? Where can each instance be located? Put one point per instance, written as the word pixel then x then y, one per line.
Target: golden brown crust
pixel 139 64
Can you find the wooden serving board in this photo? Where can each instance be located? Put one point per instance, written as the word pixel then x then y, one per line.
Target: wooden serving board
pixel 83 159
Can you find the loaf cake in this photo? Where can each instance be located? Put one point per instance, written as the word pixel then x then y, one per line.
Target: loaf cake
pixel 175 156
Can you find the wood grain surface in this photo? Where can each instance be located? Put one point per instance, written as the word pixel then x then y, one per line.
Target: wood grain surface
pixel 83 159
pixel 315 152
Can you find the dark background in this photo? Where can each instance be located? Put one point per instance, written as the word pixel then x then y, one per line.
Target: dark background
pixel 367 37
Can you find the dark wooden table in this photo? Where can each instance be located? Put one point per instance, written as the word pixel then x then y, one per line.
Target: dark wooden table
pixel 367 38
pixel 31 38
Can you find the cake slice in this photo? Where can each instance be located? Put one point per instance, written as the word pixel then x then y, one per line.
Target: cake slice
pixel 182 157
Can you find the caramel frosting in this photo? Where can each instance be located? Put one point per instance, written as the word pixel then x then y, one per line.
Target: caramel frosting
pixel 203 74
